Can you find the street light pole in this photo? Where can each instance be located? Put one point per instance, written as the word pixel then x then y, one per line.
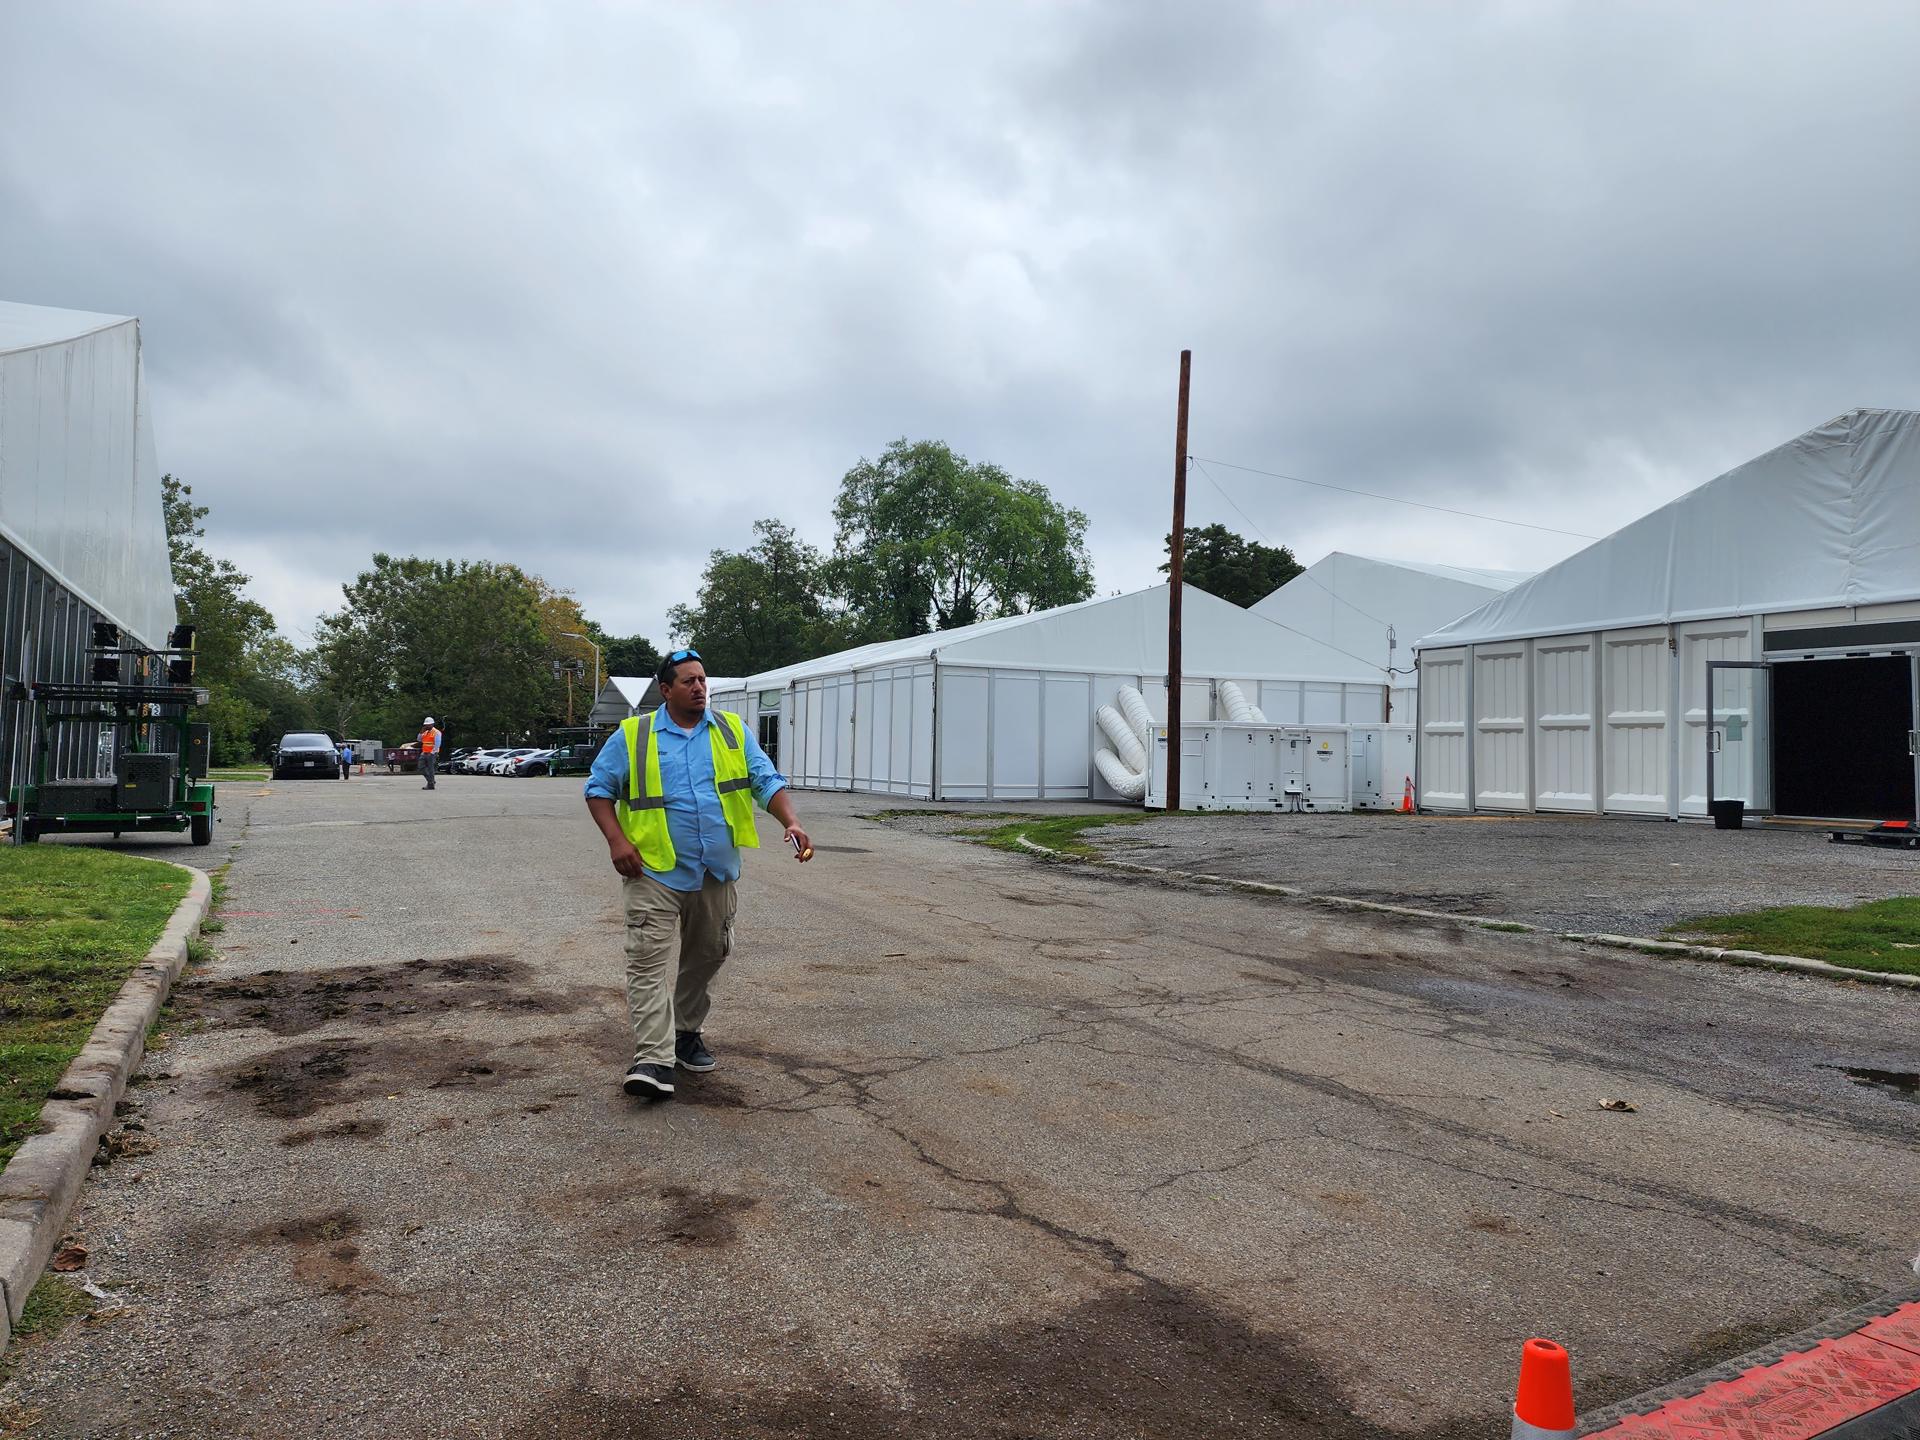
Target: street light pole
pixel 575 635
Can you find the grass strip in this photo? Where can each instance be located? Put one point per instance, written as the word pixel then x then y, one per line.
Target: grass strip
pixel 1057 832
pixel 73 923
pixel 1881 935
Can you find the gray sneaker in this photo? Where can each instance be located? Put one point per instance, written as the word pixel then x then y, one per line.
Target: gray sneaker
pixel 691 1054
pixel 652 1082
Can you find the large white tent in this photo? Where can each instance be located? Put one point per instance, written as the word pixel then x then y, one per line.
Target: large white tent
pixel 82 532
pixel 1377 610
pixel 1005 709
pixel 79 485
pixel 1762 628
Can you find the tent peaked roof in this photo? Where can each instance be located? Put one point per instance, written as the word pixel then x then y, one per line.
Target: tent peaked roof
pixel 1829 518
pixel 30 327
pixel 1350 601
pixel 1118 634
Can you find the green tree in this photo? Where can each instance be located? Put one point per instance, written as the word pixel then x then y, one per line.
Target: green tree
pixel 929 540
pixel 462 641
pixel 239 657
pixel 760 608
pixel 1231 566
pixel 624 654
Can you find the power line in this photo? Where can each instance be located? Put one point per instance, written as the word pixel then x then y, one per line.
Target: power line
pixel 1398 500
pixel 1305 575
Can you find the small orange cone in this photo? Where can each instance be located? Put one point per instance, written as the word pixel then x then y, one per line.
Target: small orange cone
pixel 1406 799
pixel 1543 1406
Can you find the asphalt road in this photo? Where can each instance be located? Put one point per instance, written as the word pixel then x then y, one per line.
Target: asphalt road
pixel 995 1149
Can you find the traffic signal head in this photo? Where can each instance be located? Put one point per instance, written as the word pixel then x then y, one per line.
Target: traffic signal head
pixel 180 638
pixel 106 668
pixel 180 669
pixel 106 635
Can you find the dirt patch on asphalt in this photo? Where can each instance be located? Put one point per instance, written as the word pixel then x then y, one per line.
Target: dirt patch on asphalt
pixel 345 1130
pixel 294 1081
pixel 325 1253
pixel 702 1219
pixel 293 1002
pixel 710 1094
pixel 1149 1361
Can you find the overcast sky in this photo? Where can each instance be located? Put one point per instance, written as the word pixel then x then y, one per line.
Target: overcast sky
pixel 591 289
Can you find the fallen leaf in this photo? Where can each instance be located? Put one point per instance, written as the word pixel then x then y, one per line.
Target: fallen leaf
pixel 69 1258
pixel 1626 1105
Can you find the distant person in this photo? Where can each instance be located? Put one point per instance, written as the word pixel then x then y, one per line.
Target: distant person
pixel 673 793
pixel 429 751
pixel 346 759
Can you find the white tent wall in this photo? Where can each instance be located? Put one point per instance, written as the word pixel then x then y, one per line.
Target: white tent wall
pixel 1006 709
pixel 79 484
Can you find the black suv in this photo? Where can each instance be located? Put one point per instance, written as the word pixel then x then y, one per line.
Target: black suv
pixel 304 753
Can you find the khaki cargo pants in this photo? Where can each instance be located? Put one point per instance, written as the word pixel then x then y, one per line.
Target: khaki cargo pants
pixel 677 940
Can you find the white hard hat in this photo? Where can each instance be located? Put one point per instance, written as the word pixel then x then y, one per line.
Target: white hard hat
pixel 429 719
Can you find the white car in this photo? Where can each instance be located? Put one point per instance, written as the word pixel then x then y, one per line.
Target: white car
pixel 474 761
pixel 502 764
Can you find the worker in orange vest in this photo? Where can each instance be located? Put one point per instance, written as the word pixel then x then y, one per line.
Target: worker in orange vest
pixel 430 743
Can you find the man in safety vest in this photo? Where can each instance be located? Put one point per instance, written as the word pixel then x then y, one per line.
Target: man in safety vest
pixel 429 751
pixel 673 792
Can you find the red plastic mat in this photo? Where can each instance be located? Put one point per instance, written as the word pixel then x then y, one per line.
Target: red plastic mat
pixel 1799 1397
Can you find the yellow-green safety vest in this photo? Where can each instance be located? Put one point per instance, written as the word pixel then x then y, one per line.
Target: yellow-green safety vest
pixel 643 809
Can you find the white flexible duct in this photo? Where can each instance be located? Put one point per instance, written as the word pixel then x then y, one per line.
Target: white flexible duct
pixel 1129 784
pixel 1127 748
pixel 1240 710
pixel 1134 707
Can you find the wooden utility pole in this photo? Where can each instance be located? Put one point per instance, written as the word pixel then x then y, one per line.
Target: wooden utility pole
pixel 1174 571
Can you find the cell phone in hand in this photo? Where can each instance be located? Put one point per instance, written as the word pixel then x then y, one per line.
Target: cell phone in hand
pixel 794 841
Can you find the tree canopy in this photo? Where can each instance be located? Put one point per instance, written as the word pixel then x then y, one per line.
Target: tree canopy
pixel 928 540
pixel 760 608
pixel 1231 566
pixel 465 641
pixel 250 672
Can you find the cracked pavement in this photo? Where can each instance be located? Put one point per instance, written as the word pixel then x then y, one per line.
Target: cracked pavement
pixel 995 1148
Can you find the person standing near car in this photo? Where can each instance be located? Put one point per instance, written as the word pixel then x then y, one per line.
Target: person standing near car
pixel 429 751
pixel 346 759
pixel 673 794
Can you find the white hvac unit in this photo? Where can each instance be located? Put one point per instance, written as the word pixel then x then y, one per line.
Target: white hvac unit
pixel 1380 760
pixel 1224 766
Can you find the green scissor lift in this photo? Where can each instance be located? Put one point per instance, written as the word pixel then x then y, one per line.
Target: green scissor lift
pixel 147 754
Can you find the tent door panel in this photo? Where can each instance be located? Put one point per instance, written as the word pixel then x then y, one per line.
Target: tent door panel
pixel 1703 644
pixel 1841 738
pixel 1739 734
pixel 1636 673
pixel 1443 729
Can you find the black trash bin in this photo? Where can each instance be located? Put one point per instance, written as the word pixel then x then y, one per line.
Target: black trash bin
pixel 1728 814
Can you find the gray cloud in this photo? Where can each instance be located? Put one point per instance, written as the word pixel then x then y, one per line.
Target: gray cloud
pixel 591 290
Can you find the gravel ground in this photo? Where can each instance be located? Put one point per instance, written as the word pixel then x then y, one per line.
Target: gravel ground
pixel 1628 877
pixel 997 1150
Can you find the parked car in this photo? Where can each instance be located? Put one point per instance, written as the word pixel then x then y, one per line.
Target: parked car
pixel 575 759
pixel 475 762
pixel 303 752
pixel 534 764
pixel 503 763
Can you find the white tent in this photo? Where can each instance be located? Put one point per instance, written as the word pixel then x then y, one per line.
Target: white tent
pixel 79 486
pixel 1588 687
pixel 1005 709
pixel 1377 610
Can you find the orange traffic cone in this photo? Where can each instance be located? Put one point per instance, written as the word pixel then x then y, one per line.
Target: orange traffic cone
pixel 1406 799
pixel 1543 1406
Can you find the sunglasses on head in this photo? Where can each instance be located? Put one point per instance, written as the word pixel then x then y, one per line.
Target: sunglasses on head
pixel 677 656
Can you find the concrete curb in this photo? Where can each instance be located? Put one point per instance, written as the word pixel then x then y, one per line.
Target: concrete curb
pixel 41 1182
pixel 1756 958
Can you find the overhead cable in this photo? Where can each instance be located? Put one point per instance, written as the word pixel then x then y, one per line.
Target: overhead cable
pixel 1399 500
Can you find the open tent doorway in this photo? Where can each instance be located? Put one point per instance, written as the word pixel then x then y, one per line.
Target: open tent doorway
pixel 1841 729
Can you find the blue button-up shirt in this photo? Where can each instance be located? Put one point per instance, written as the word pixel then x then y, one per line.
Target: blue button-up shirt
pixel 702 844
